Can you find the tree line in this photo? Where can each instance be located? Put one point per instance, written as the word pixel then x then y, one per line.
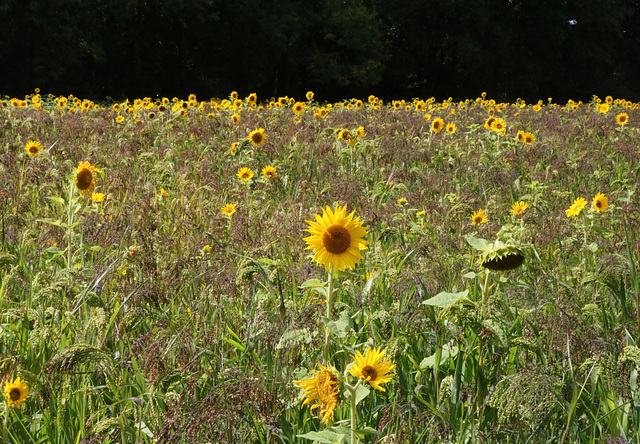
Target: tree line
pixel 529 49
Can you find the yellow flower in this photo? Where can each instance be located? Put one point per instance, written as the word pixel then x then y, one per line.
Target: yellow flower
pixel 336 238
pixel 206 248
pixel 97 197
pixel 228 209
pixel 499 126
pixel 479 217
pixel 603 108
pixel 402 201
pixel 164 192
pixel 576 207
pixel 245 174
pixel 520 136
pixel 321 391
pixel 309 95
pixel 235 118
pixel 360 132
pixel 16 392
pixel 269 172
pixel 373 367
pixel 298 108
pixel 120 119
pixel 437 125
pixel 86 178
pixel 33 148
pixel 519 208
pixel 257 137
pixel 451 128
pixel 529 138
pixel 622 119
pixel 600 203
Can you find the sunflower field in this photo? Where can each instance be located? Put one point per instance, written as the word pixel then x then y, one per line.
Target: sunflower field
pixel 287 270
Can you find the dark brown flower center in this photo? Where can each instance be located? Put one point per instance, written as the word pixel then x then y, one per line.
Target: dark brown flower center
pixel 336 239
pixel 14 394
pixel 598 204
pixel 369 373
pixel 256 138
pixel 33 149
pixel 84 179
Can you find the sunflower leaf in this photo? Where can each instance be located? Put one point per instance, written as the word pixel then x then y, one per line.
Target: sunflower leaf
pixel 445 299
pixel 361 393
pixel 478 243
pixel 325 436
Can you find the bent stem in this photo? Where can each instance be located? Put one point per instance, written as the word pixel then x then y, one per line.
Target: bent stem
pixel 327 332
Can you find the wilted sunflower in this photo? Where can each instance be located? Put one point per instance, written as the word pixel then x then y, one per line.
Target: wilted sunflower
pixel 576 207
pixel 86 178
pixel 600 203
pixel 33 148
pixel 336 238
pixel 16 392
pixel 479 217
pixel 321 391
pixel 437 125
pixel 373 367
pixel 269 172
pixel 228 209
pixel 258 136
pixel 245 174
pixel 518 208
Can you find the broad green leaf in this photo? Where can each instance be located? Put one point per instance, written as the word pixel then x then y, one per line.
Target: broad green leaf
pixel 50 221
pixel 446 352
pixel 341 327
pixel 361 393
pixel 312 283
pixel 445 299
pixel 478 243
pixel 325 436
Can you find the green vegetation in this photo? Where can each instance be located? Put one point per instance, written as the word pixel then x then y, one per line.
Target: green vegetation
pixel 156 285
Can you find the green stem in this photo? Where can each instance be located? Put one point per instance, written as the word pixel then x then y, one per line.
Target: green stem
pixel 325 352
pixel 69 222
pixel 354 414
pixel 485 294
pixel 5 430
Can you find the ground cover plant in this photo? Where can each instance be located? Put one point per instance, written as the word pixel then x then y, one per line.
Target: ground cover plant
pixel 291 271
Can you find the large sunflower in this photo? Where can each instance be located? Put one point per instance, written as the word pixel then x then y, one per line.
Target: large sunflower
pixel 322 391
pixel 258 136
pixel 373 367
pixel 86 178
pixel 336 238
pixel 16 392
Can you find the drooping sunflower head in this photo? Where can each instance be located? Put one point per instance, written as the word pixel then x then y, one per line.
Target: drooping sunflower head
pixel 479 217
pixel 245 174
pixel 600 203
pixel 269 172
pixel 16 392
pixel 321 391
pixel 86 178
pixel 33 148
pixel 497 255
pixel 336 238
pixel 374 367
pixel 518 208
pixel 258 136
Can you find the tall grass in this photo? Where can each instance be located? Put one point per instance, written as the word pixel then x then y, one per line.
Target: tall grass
pixel 152 316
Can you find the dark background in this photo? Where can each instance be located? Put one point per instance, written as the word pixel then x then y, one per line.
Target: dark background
pixel 529 49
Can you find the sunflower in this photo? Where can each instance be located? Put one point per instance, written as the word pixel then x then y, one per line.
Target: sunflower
pixel 360 132
pixel 437 125
pixel 520 136
pixel 622 119
pixel 86 178
pixel 519 208
pixel 479 217
pixel 321 391
pixel 336 238
pixel 269 172
pixel 97 197
pixel 16 392
pixel 451 128
pixel 298 108
pixel 373 367
pixel 499 126
pixel 576 207
pixel 228 209
pixel 33 148
pixel 252 98
pixel 309 95
pixel 600 203
pixel 245 174
pixel 235 118
pixel 257 137
pixel 529 138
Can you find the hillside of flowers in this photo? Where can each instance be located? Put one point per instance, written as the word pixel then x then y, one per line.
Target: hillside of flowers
pixel 288 270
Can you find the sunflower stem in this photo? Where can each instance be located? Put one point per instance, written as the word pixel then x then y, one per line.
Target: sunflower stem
pixel 353 413
pixel 327 332
pixel 5 431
